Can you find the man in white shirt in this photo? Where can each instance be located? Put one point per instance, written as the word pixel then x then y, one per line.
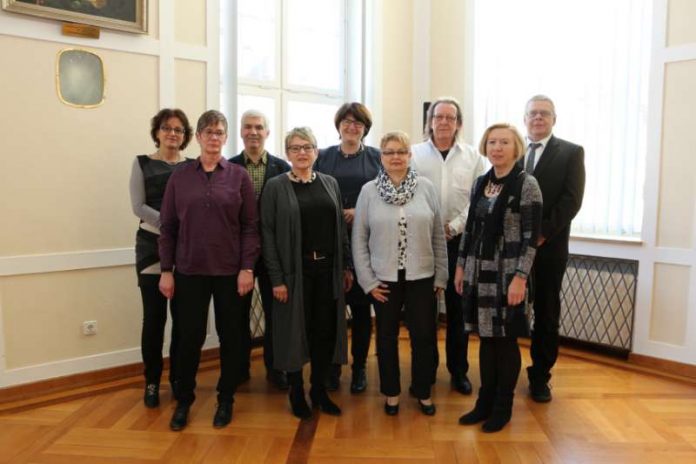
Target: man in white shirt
pixel 452 167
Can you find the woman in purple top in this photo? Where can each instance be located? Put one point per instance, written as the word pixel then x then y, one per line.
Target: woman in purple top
pixel 208 245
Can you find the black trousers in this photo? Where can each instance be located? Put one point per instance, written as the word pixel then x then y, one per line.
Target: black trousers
pixel 361 324
pixel 549 269
pixel 266 295
pixel 152 335
pixel 416 296
pixel 499 364
pixel 457 341
pixel 320 320
pixel 192 294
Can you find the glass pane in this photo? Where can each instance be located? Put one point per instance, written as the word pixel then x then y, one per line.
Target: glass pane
pixel 257 39
pixel 315 51
pixel 317 116
pixel 268 107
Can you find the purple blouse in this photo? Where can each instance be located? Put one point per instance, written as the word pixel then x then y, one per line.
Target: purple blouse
pixel 209 224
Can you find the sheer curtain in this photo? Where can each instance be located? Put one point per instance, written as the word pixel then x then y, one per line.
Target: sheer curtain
pixel 592 58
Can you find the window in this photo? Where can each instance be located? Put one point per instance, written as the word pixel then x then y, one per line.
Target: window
pixel 592 58
pixel 292 63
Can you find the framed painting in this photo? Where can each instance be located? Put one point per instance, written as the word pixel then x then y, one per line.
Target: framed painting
pixel 122 15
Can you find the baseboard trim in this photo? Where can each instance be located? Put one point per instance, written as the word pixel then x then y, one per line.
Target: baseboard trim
pixel 667 366
pixel 75 386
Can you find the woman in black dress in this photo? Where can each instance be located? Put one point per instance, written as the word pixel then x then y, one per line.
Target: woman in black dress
pixel 171 132
pixel 352 164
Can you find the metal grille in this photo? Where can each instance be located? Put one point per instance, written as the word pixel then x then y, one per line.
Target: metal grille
pixel 598 300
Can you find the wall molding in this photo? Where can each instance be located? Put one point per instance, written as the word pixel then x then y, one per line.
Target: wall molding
pixel 67 261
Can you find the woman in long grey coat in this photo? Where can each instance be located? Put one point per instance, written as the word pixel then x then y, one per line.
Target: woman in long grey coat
pixel 495 257
pixel 305 248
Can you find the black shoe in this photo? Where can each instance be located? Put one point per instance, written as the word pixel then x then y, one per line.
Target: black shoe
pixel 180 417
pixel 540 392
pixel 223 414
pixel 151 397
pixel 298 403
pixel 358 383
pixel 500 415
pixel 333 381
pixel 278 378
pixel 460 382
pixel 391 410
pixel 474 416
pixel 427 409
pixel 322 401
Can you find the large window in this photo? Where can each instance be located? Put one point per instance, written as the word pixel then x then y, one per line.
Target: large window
pixel 292 60
pixel 592 58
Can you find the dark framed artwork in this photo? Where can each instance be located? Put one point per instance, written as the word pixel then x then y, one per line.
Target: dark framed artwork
pixel 123 15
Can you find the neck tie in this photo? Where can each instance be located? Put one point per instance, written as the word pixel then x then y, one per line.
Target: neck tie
pixel 531 154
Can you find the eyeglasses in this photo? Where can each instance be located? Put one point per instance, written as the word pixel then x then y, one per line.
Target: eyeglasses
pixel 352 122
pixel 209 133
pixel 402 152
pixel 543 113
pixel 176 130
pixel 444 117
pixel 298 148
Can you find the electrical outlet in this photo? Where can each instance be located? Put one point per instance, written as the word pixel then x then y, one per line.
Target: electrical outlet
pixel 89 327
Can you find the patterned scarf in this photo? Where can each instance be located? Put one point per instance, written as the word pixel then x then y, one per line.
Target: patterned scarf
pixel 400 195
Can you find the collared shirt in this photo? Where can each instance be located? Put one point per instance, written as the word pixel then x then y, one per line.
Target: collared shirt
pixel 209 225
pixel 452 177
pixel 539 150
pixel 257 171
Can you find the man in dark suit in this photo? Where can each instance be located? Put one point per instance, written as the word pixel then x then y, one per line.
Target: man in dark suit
pixel 559 168
pixel 261 166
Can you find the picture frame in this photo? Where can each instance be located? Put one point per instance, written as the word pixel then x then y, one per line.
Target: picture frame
pixel 121 15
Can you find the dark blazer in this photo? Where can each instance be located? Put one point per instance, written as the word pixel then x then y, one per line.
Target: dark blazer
pixel 561 176
pixel 274 167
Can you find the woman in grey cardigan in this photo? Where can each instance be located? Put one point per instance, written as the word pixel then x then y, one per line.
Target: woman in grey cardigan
pixel 305 248
pixel 400 259
pixel 495 256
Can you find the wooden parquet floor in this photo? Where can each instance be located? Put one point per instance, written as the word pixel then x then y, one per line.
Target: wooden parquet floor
pixel 599 414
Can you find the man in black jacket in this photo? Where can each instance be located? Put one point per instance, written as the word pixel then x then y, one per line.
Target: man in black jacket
pixel 261 166
pixel 559 168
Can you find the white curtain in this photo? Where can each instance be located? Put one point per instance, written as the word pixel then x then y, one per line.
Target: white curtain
pixel 592 57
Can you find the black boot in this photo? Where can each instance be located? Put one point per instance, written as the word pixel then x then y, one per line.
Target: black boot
pixel 320 399
pixel 482 409
pixel 151 397
pixel 333 380
pixel 358 383
pixel 298 403
pixel 500 415
pixel 180 417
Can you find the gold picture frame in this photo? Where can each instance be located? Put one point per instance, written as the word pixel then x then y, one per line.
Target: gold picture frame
pixel 80 78
pixel 122 15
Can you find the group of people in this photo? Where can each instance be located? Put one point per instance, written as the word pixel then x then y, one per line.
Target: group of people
pixel 397 228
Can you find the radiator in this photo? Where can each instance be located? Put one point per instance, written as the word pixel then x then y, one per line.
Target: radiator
pixel 598 301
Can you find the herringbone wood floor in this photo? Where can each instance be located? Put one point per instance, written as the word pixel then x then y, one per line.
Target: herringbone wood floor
pixel 599 414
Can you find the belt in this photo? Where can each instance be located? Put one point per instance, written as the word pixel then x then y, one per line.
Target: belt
pixel 316 256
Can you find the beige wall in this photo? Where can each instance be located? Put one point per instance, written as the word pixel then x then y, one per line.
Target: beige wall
pixel 64 184
pixel 448 58
pixel 397 66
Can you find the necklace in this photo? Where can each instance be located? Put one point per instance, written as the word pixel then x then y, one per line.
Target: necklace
pixel 295 178
pixel 493 189
pixel 351 155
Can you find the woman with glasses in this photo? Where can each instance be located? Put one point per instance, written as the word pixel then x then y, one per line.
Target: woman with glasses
pixel 495 257
pixel 208 247
pixel 352 164
pixel 400 258
pixel 305 248
pixel 171 132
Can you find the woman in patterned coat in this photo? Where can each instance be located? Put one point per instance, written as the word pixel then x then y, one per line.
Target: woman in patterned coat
pixel 495 257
